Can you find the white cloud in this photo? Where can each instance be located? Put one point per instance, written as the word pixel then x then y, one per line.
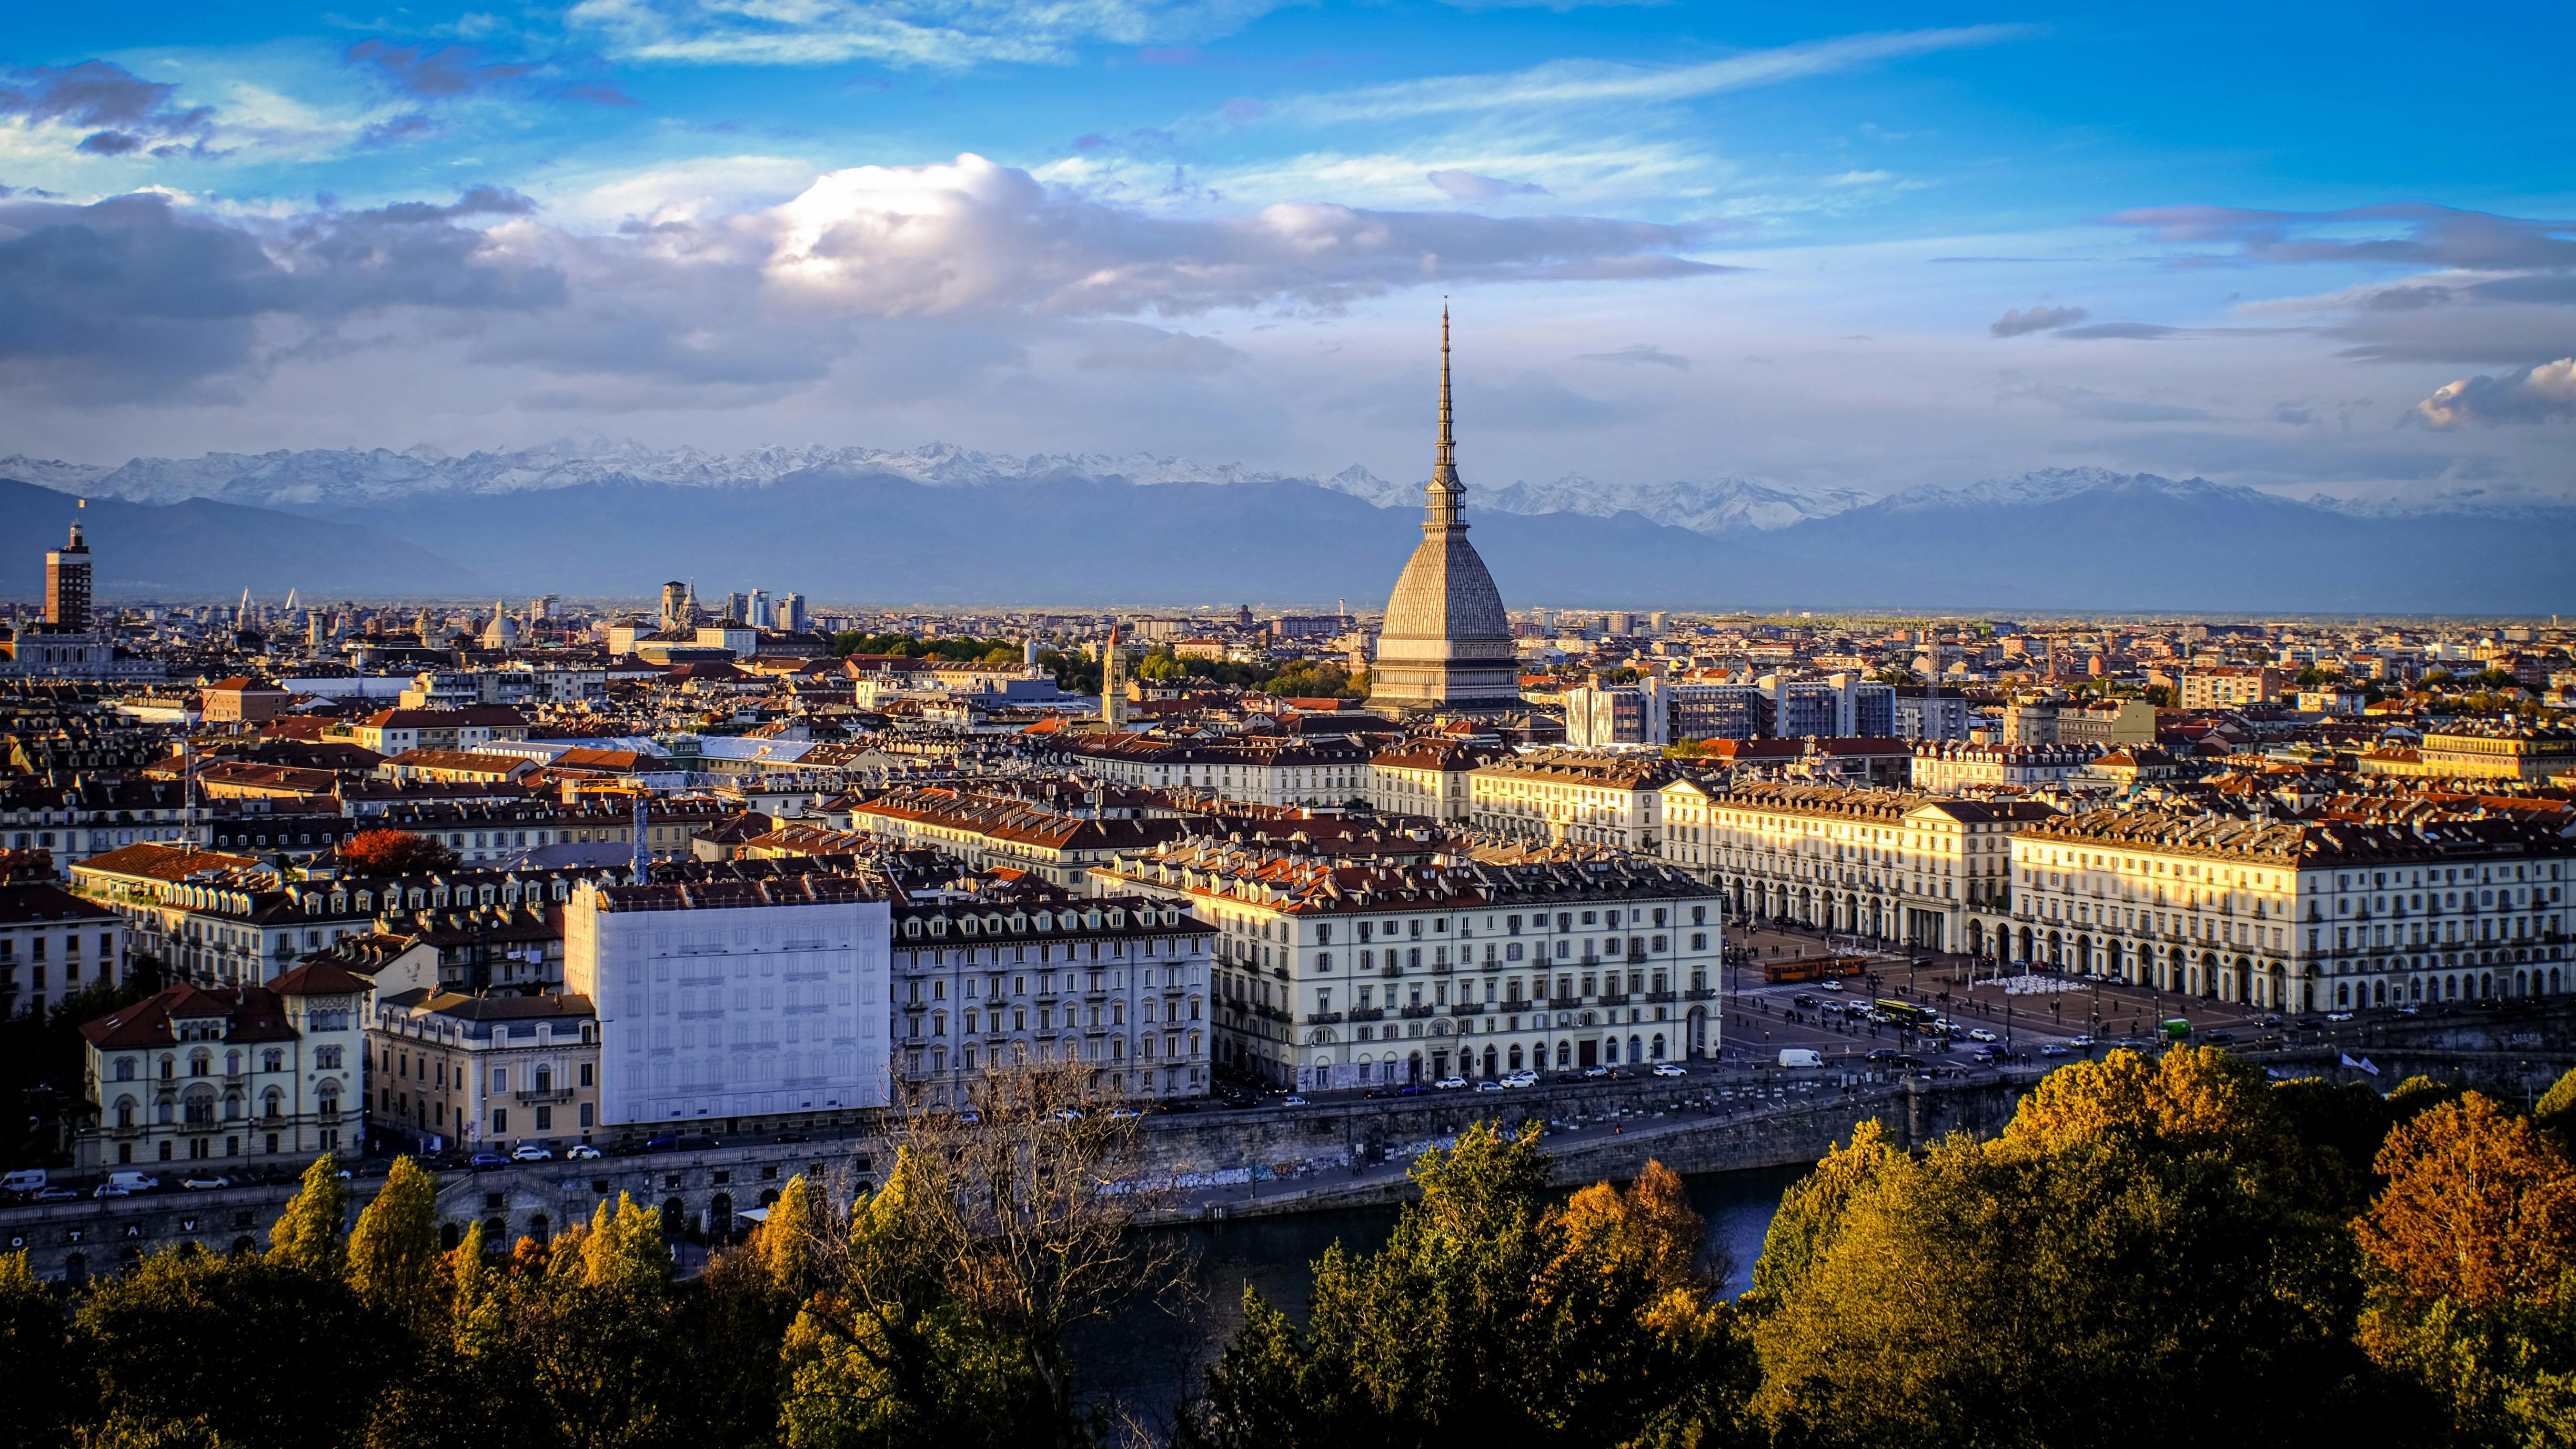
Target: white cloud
pixel 1588 82
pixel 2532 395
pixel 942 33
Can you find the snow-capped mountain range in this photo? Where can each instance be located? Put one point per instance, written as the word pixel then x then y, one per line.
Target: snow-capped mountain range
pixel 315 479
pixel 323 481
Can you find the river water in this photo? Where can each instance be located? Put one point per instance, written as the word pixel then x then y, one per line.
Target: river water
pixel 1146 1357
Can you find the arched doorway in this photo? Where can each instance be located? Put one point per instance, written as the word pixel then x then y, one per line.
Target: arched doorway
pixel 675 1217
pixel 720 1212
pixel 1698 1029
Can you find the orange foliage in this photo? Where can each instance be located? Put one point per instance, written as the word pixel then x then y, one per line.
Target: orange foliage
pixel 2480 1207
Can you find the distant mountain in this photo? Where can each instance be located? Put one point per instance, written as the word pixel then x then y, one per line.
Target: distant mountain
pixel 2089 538
pixel 1716 506
pixel 950 525
pixel 201 549
pixel 320 479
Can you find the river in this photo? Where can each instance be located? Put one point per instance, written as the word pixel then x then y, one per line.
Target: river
pixel 1145 1358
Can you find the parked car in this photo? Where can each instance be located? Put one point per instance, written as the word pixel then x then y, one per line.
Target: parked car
pixel 1170 1108
pixel 1521 1079
pixel 532 1152
pixel 1122 1114
pixel 1596 1071
pixel 204 1181
pixel 24 1179
pixel 486 1161
pixel 1451 1084
pixel 1068 1114
pixel 119 1184
pixel 1413 1089
pixel 1489 1084
pixel 56 1194
pixel 581 1152
pixel 1670 1069
pixel 681 1142
pixel 2338 1016
pixel 1803 999
pixel 1292 1100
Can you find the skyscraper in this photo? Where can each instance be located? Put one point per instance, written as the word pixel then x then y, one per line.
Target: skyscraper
pixel 1446 646
pixel 67 585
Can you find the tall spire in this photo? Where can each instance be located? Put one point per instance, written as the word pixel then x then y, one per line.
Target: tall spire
pixel 1441 498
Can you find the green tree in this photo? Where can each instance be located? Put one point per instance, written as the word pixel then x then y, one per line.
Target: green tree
pixel 306 1237
pixel 2137 1251
pixel 191 1348
pixel 1494 1316
pixel 36 1376
pixel 395 1266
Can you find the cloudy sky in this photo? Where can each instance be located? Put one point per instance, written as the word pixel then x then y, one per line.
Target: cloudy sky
pixel 2299 247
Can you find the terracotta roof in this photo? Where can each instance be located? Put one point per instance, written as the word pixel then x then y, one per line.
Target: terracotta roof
pixel 317 978
pixel 35 903
pixel 164 862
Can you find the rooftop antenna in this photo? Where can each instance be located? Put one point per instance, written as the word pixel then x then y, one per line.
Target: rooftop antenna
pixel 643 842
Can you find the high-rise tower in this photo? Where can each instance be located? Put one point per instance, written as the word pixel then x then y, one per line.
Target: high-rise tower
pixel 67 585
pixel 1446 646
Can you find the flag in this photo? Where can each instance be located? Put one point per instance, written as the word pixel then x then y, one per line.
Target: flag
pixel 2359 1066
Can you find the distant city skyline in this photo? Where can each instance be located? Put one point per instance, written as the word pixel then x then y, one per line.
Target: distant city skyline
pixel 1840 247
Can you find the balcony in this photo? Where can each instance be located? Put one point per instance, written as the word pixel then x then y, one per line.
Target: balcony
pixel 544 1094
pixel 1415 1013
pixel 1367 1013
pixel 1323 1018
pixel 1699 993
pixel 1613 998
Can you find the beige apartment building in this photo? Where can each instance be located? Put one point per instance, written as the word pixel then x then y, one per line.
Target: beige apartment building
pixel 1896 864
pixel 2311 916
pixel 484 1073
pixel 1331 974
pixel 1573 797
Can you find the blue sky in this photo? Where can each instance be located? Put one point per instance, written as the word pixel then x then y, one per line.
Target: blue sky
pixel 2305 249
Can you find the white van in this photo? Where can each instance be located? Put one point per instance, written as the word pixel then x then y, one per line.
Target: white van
pixel 119 1184
pixel 25 1179
pixel 1801 1057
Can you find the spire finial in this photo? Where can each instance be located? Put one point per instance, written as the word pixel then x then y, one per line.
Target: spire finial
pixel 1447 459
pixel 1440 499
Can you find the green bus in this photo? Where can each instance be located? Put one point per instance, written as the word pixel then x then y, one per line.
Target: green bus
pixel 2175 1029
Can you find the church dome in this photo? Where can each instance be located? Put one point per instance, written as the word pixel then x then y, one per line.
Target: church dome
pixel 1446 643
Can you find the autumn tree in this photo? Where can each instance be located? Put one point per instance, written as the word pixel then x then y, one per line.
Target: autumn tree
pixel 944 1316
pixel 306 1237
pixel 394 1263
pixel 1494 1315
pixel 386 851
pixel 2472 1256
pixel 2138 1252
